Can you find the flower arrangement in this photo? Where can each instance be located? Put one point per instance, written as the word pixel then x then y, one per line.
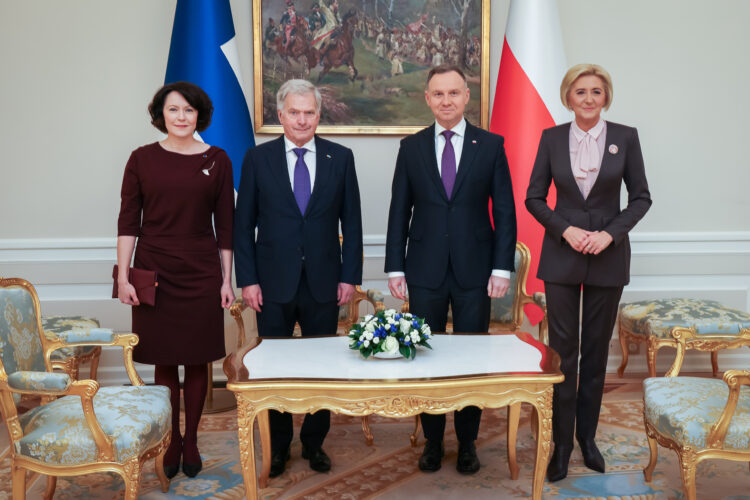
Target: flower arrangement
pixel 389 332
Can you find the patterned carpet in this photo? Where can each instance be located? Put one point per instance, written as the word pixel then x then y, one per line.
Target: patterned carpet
pixel 387 470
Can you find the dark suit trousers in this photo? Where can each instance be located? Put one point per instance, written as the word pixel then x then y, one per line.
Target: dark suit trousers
pixel 471 314
pixel 571 409
pixel 277 320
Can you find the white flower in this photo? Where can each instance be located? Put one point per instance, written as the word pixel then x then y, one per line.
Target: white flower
pixel 362 323
pixel 376 340
pixel 366 343
pixel 368 335
pixel 389 313
pixel 404 325
pixel 426 329
pixel 368 318
pixel 362 337
pixel 370 327
pixel 407 315
pixel 391 321
pixel 414 337
pixel 390 345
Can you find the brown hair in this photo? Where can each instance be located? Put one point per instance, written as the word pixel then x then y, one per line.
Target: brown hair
pixel 444 68
pixel 192 93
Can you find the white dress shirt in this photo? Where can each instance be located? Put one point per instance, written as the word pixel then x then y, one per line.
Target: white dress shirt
pixel 291 160
pixel 459 132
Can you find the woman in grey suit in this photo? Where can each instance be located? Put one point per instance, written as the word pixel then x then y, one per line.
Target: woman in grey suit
pixel 585 260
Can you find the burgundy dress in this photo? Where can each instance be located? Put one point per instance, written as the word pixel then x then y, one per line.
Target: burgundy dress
pixel 168 203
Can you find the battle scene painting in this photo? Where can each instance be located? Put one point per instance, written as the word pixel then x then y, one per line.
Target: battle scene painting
pixel 369 58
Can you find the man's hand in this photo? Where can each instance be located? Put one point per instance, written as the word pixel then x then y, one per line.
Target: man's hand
pixel 252 296
pixel 345 293
pixel 576 237
pixel 397 286
pixel 497 287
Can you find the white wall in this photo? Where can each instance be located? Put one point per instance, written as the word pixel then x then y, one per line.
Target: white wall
pixel 77 76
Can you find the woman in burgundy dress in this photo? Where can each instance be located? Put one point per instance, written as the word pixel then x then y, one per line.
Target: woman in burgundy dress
pixel 178 202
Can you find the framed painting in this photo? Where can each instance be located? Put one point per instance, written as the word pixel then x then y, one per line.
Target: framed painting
pixel 369 59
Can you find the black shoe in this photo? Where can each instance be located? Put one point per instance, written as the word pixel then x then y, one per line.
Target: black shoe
pixel 278 462
pixel 431 456
pixel 171 470
pixel 319 461
pixel 192 470
pixel 558 464
pixel 467 462
pixel 592 457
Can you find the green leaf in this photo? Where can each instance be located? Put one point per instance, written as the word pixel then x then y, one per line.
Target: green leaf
pixel 426 344
pixel 405 351
pixel 412 351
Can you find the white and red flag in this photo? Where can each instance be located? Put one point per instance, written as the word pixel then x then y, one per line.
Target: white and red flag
pixel 527 101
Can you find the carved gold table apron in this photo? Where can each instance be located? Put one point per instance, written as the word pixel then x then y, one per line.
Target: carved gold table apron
pixel 301 375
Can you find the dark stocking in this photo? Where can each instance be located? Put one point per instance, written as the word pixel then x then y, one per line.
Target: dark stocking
pixel 195 386
pixel 167 376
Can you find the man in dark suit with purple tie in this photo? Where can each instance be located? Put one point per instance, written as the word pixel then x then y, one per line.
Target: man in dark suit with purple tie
pixel 445 177
pixel 295 191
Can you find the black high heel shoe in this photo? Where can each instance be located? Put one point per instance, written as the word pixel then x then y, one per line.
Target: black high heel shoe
pixel 191 469
pixel 558 464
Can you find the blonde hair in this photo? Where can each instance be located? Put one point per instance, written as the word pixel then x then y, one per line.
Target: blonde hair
pixel 580 70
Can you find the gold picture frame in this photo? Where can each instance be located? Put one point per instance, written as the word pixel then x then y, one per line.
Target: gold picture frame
pixel 367 100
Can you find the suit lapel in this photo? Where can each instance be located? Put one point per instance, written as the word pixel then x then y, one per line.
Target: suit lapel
pixel 562 144
pixel 323 170
pixel 427 150
pixel 469 151
pixel 278 166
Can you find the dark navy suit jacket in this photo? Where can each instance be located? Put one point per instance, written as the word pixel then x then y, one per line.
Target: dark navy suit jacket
pixel 438 229
pixel 287 238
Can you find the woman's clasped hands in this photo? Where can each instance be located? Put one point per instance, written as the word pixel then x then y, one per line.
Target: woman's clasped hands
pixel 587 242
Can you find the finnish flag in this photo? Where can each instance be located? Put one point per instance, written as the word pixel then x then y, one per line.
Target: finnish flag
pixel 203 51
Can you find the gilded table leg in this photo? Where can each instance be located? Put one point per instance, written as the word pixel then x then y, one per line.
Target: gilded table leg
pixel 245 421
pixel 543 408
pixel 414 438
pixel 514 415
pixel 369 439
pixel 264 429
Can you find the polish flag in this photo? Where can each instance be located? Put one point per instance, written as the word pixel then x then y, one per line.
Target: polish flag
pixel 527 101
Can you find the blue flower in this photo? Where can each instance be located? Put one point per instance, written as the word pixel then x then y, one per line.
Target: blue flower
pixel 397 317
pixel 407 342
pixel 394 328
pixel 414 324
pixel 359 343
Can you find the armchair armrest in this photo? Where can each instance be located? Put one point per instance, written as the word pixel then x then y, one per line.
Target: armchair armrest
pixel 87 337
pixel 39 383
pixel 734 379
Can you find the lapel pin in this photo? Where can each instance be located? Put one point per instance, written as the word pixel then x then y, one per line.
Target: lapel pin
pixel 613 149
pixel 207 170
pixel 328 156
pixel 473 141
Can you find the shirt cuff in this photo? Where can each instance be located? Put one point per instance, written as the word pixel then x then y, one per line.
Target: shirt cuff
pixel 395 274
pixel 501 273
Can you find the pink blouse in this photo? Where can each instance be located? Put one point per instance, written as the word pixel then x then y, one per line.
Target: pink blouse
pixel 586 153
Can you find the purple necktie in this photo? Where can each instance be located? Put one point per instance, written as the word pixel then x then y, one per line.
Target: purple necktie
pixel 448 163
pixel 301 180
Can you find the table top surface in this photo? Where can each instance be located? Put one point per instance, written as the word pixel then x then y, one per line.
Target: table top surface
pixel 452 356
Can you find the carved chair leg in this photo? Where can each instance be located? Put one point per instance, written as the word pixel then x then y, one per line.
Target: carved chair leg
pixel 415 435
pixel 49 491
pixel 19 483
pixel 624 347
pixel 159 466
pixel 94 367
pixel 369 439
pixel 651 357
pixel 514 415
pixel 132 477
pixel 715 362
pixel 687 470
pixel 653 448
pixel 533 422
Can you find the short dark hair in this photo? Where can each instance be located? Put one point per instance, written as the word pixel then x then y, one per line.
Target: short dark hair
pixel 192 93
pixel 445 68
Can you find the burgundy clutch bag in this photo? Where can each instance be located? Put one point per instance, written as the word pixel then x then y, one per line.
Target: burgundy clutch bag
pixel 144 282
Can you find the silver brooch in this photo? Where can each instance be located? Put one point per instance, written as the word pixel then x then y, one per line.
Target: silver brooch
pixel 207 170
pixel 613 149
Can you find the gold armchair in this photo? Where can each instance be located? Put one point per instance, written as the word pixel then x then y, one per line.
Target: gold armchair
pixel 698 418
pixel 83 428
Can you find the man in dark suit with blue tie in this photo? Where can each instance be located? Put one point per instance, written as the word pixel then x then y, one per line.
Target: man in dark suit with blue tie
pixel 445 177
pixel 294 191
